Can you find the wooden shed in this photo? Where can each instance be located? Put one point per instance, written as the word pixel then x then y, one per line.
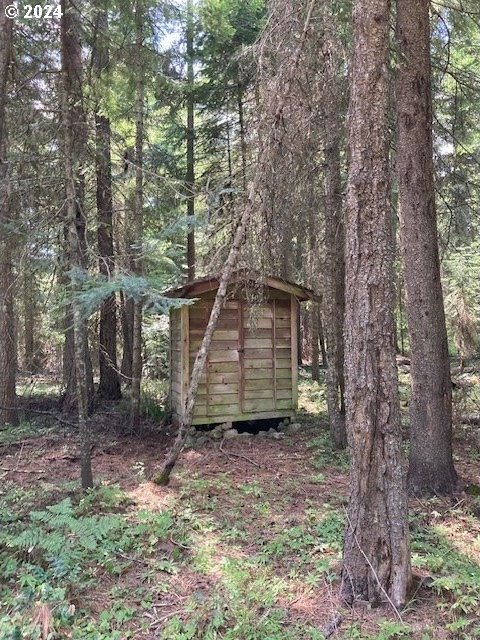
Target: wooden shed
pixel 252 367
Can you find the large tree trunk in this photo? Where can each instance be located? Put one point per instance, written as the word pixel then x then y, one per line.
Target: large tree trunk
pixel 73 78
pixel 72 74
pixel 190 175
pixel 376 562
pixel 8 343
pixel 431 463
pixel 109 383
pixel 137 361
pixel 334 270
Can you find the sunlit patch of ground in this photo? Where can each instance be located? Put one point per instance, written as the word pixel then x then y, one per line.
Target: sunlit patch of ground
pixel 240 547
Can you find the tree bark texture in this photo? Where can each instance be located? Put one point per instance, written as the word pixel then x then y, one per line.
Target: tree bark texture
pixel 334 264
pixel 8 341
pixel 109 382
pixel 243 135
pixel 72 68
pixel 376 562
pixel 69 48
pixel 126 316
pixel 321 339
pixel 32 351
pixel 314 323
pixel 137 360
pixel 431 468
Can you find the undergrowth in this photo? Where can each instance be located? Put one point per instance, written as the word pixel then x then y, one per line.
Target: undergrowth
pixel 250 556
pixel 54 557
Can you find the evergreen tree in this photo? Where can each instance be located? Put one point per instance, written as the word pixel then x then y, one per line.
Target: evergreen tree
pixel 376 557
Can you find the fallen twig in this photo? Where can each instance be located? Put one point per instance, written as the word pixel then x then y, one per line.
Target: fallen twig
pixel 230 454
pixel 164 618
pixel 131 559
pixel 22 470
pixel 52 414
pixel 179 544
pixel 332 626
pixel 19 456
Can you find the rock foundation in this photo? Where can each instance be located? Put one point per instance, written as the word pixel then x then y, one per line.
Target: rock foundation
pixel 227 431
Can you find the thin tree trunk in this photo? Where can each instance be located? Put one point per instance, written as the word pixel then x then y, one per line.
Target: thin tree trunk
pixel 109 383
pixel 334 270
pixel 376 560
pixel 125 235
pixel 8 342
pixel 431 462
pixel 243 138
pixel 321 340
pixel 299 341
pixel 30 319
pixel 314 322
pixel 72 66
pixel 126 316
pixel 73 79
pixel 400 314
pixel 190 176
pixel 163 477
pixel 137 362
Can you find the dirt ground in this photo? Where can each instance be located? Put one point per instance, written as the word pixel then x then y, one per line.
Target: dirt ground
pixel 260 485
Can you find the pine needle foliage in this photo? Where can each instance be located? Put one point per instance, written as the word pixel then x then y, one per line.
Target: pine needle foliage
pixel 462 299
pixel 150 290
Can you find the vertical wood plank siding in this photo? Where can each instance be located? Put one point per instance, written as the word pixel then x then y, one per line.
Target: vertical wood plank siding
pixel 251 369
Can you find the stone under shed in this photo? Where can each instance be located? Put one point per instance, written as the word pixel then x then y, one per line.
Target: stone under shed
pixel 252 367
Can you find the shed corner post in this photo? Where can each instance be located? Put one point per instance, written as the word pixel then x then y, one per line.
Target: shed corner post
pixel 185 354
pixel 169 402
pixel 294 310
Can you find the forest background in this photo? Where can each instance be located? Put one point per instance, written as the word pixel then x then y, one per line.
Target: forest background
pixel 131 137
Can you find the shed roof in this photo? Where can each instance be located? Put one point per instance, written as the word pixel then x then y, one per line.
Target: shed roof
pixel 203 285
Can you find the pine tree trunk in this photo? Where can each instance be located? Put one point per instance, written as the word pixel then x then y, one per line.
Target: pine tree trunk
pixel 334 298
pixel 32 359
pixel 109 383
pixel 8 343
pixel 73 79
pixel 376 562
pixel 190 176
pixel 314 321
pixel 334 270
pixel 137 362
pixel 126 316
pixel 72 72
pixel 321 339
pixel 243 137
pixel 431 463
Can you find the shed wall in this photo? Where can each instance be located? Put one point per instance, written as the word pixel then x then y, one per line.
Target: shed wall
pixel 249 370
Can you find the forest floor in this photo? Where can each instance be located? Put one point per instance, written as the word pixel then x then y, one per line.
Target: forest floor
pixel 245 544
